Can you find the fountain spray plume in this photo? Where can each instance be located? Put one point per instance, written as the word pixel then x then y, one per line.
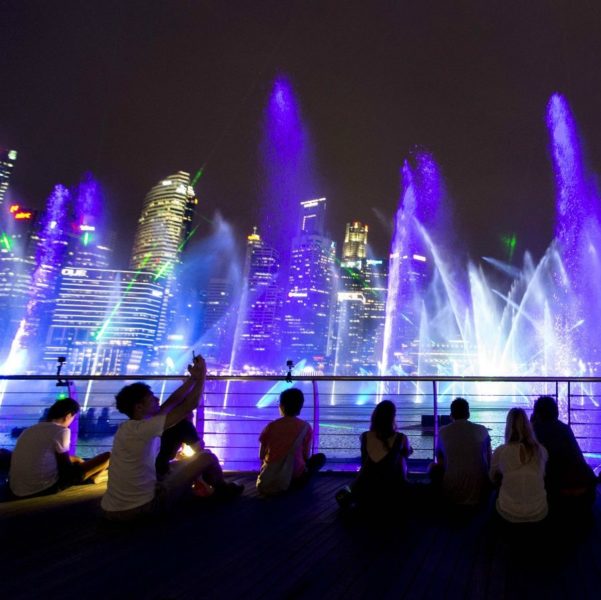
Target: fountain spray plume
pixel 288 171
pixel 52 245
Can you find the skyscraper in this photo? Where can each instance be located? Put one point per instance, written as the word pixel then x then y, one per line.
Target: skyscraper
pixel 308 301
pixel 257 334
pixel 218 321
pixel 104 321
pixel 7 163
pixel 164 227
pixel 17 262
pixel 360 305
pixel 355 241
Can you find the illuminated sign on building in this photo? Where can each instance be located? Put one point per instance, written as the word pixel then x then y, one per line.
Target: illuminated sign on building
pixel 18 213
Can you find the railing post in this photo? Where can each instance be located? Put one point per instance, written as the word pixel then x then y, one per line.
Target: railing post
pixel 435 409
pixel 569 403
pixel 315 444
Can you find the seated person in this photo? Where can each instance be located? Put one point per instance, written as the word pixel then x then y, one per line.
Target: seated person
pixel 568 474
pixel 285 448
pixel 133 490
pixel 518 466
pixel 462 458
pixel 41 463
pixel 384 453
pixel 172 440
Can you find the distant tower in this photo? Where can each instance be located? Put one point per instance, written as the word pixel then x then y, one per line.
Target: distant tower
pixel 7 163
pixel 218 321
pixel 88 241
pixel 163 229
pixel 355 241
pixel 257 335
pixel 360 305
pixel 308 302
pixel 17 262
pixel 164 225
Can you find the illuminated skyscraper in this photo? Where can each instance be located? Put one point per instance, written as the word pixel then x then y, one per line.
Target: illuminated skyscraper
pixel 88 239
pixel 104 321
pixel 257 335
pixel 308 302
pixel 164 227
pixel 218 321
pixel 360 305
pixel 7 163
pixel 17 262
pixel 355 241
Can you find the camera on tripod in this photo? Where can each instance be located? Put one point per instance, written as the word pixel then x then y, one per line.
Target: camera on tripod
pixel 289 366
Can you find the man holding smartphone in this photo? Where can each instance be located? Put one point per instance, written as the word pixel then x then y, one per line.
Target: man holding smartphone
pixel 133 490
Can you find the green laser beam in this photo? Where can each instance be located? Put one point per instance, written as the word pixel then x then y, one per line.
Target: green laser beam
pixel 6 242
pixel 197 176
pixel 510 243
pixel 163 269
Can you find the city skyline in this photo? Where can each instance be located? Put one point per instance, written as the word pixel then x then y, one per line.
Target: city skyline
pixel 132 101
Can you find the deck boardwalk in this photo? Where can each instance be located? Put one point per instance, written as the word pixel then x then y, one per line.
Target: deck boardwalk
pixel 294 546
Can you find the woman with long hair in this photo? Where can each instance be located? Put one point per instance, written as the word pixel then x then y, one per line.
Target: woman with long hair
pixel 518 466
pixel 384 453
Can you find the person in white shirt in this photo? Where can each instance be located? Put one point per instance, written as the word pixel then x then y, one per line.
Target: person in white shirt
pixel 133 489
pixel 518 466
pixel 41 463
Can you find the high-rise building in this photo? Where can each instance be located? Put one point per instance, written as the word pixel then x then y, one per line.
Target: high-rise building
pixel 257 333
pixel 17 262
pixel 7 163
pixel 360 306
pixel 104 321
pixel 355 241
pixel 308 315
pixel 218 321
pixel 313 216
pixel 164 227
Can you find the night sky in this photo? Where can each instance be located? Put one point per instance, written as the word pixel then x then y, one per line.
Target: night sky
pixel 134 90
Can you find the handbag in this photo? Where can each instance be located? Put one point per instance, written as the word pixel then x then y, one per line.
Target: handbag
pixel 276 477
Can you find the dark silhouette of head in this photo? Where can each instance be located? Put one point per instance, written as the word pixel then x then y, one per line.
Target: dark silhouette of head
pixel 383 420
pixel 62 408
pixel 291 402
pixel 545 410
pixel 460 409
pixel 131 395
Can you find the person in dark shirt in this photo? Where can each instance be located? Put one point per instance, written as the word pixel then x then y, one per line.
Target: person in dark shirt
pixel 568 477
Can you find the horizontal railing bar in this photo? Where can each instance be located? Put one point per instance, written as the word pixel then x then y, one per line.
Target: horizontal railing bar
pixel 309 378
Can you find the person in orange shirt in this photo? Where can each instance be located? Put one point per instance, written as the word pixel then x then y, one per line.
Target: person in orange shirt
pixel 285 447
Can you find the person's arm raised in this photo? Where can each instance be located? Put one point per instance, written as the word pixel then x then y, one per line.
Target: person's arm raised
pixel 198 374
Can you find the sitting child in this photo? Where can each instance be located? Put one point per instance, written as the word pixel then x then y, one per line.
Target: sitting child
pixel 41 463
pixel 384 451
pixel 285 448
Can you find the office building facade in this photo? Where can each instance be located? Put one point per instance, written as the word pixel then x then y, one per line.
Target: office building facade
pixel 258 330
pixel 7 164
pixel 308 303
pixel 105 321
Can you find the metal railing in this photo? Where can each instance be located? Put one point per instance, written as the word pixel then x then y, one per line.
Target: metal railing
pixel 235 409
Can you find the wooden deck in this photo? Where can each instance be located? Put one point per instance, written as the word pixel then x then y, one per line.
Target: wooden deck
pixel 294 546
